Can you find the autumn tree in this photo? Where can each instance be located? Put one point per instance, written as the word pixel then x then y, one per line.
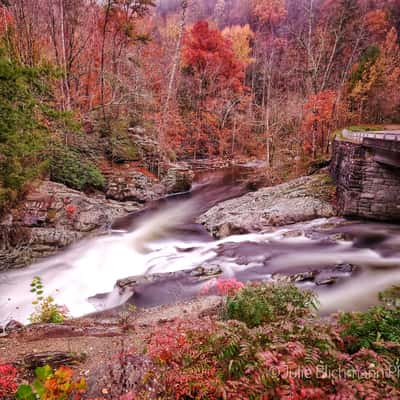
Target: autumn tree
pixel 118 31
pixel 164 123
pixel 240 38
pixel 263 78
pixel 317 122
pixel 270 12
pixel 215 82
pixel 268 45
pixel 374 96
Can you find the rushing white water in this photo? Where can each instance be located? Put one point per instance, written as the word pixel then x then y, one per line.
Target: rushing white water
pixel 92 267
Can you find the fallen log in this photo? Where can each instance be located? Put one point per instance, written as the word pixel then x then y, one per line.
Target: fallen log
pixel 53 358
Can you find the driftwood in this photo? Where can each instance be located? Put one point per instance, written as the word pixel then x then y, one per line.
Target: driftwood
pixel 37 332
pixel 52 358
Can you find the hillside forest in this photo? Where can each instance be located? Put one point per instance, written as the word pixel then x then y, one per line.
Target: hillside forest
pixel 82 80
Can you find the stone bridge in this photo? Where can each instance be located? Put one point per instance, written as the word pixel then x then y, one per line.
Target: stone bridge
pixel 386 144
pixel 366 168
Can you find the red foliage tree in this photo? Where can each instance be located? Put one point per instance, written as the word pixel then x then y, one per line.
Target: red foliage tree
pixel 215 83
pixel 212 58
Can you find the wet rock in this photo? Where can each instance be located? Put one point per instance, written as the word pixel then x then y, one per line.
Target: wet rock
pixel 229 229
pixel 325 276
pixel 194 275
pixel 304 276
pixel 344 268
pixel 299 200
pixel 51 218
pixel 295 278
pixel 166 288
pixel 292 234
pixel 326 281
pixel 13 326
pixel 332 275
pixel 205 272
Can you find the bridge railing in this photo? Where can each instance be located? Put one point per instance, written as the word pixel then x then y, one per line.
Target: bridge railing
pixel 381 135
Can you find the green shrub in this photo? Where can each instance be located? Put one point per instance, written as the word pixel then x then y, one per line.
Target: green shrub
pixel 46 311
pixel 260 304
pixel 121 149
pixel 365 128
pixel 364 330
pixel 68 167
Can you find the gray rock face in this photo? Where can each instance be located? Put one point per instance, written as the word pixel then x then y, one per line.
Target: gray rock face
pixel 51 218
pixel 133 186
pixel 147 147
pixel 179 178
pixel 299 200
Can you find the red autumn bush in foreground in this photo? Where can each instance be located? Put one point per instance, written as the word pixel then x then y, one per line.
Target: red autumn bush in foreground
pixel 8 377
pixel 50 384
pixel 284 356
pixel 287 360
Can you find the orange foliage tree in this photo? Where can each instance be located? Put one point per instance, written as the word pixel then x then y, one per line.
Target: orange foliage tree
pixel 270 11
pixel 317 122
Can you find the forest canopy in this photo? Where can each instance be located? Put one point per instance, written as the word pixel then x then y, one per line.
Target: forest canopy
pixel 268 79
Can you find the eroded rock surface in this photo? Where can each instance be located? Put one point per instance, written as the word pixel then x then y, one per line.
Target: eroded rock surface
pixel 51 218
pixel 178 178
pixel 133 185
pixel 302 199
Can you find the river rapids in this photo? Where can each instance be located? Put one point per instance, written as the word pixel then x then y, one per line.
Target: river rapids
pixel 362 258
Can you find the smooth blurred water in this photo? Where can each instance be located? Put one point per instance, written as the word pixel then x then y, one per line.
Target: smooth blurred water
pixel 166 239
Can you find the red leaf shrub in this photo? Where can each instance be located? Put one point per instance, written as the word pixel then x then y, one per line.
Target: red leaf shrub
pixel 291 356
pixel 8 384
pixel 228 287
pixel 224 286
pixel 70 209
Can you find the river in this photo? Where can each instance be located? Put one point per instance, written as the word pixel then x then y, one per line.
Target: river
pixel 346 262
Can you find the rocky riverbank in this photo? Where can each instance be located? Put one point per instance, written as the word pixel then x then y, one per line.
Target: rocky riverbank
pixel 53 216
pixel 92 345
pixel 300 200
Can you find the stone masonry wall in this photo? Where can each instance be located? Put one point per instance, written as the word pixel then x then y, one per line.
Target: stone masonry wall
pixel 365 188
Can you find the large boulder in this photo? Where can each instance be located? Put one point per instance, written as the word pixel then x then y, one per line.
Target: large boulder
pixel 51 218
pixel 133 185
pixel 299 200
pixel 178 178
